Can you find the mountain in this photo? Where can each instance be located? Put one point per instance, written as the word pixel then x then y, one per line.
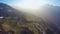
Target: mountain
pixel 28 23
pixel 6 10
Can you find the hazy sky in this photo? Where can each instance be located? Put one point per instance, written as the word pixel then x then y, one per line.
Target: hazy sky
pixel 30 3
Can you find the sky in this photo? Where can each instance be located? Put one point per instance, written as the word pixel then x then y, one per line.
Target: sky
pixel 30 3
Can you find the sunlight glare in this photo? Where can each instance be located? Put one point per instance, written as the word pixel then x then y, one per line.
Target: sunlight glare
pixel 30 4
